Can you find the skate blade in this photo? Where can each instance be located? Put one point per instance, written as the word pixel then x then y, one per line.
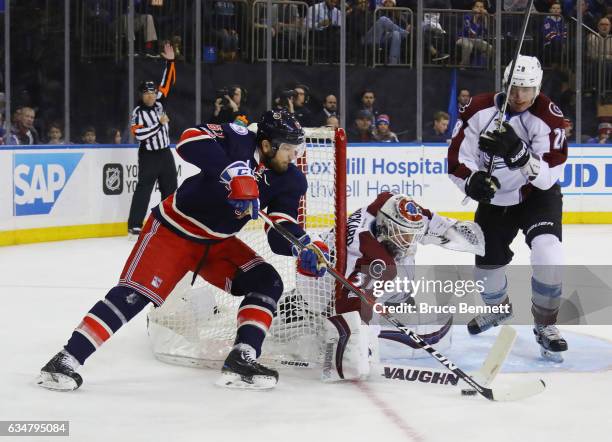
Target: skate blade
pixel 56 382
pixel 553 356
pixel 236 381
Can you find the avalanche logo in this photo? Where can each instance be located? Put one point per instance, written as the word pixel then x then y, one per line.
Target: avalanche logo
pixel 39 180
pixel 409 210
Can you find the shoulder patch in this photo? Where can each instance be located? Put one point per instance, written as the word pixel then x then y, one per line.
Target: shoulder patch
pixel 547 111
pixel 554 109
pixel 216 130
pixel 240 130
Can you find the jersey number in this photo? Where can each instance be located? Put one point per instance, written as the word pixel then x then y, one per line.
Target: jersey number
pixel 559 140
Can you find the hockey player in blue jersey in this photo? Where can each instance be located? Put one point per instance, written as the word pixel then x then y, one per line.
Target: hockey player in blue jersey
pixel 194 230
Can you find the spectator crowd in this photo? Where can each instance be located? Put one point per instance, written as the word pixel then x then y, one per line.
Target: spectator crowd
pixel 379 30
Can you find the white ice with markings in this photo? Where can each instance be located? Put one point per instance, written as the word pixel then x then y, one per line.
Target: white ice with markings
pixel 129 396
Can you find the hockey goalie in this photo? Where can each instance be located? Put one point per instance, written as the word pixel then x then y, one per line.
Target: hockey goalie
pixel 382 241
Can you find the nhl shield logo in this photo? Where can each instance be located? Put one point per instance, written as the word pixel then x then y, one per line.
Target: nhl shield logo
pixel 112 179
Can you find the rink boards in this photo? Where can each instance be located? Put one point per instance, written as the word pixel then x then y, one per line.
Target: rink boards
pixel 66 192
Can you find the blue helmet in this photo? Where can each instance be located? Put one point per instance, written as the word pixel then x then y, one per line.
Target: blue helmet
pixel 280 126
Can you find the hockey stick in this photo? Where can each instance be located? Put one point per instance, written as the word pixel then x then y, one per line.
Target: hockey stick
pixel 502 111
pixel 518 392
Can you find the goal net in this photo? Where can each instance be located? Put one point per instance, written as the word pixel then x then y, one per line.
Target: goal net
pixel 196 326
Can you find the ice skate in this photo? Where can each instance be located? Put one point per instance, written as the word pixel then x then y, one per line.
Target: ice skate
pixel 486 321
pixel 59 373
pixel 551 342
pixel 134 233
pixel 241 370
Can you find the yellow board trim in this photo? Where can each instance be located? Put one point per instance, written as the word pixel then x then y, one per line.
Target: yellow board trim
pixel 568 217
pixel 62 233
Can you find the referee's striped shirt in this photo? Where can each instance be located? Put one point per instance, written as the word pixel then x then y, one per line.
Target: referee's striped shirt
pixel 146 126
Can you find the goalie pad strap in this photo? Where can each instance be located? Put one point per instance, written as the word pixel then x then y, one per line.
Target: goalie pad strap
pixel 344 332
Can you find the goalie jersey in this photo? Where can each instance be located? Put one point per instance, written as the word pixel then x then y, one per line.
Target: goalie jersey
pixel 367 259
pixel 199 210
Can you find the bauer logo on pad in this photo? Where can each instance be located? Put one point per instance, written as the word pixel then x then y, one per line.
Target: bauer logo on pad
pixel 39 180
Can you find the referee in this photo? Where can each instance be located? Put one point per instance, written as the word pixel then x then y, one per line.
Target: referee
pixel 150 127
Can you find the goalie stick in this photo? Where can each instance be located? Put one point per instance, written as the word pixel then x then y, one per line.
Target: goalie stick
pixel 507 394
pixel 484 376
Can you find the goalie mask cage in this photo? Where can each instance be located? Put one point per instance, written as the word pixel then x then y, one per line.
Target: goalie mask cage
pixel 196 326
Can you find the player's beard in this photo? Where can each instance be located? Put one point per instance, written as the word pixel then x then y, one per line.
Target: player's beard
pixel 272 162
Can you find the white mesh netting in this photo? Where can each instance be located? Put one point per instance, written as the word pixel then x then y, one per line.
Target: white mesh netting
pixel 197 325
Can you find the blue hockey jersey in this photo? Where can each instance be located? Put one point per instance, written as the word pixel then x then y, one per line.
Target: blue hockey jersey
pixel 199 210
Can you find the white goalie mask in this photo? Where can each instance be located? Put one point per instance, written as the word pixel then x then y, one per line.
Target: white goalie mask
pixel 527 73
pixel 401 224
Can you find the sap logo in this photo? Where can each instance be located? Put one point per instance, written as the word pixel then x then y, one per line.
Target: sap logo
pixel 583 175
pixel 39 180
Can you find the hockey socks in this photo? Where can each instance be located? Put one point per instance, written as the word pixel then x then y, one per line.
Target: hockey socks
pixel 254 319
pixel 262 287
pixel 107 316
pixel 546 300
pixel 495 293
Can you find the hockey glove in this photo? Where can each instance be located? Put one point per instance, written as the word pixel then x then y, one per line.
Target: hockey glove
pixel 313 258
pixel 505 143
pixel 481 188
pixel 244 192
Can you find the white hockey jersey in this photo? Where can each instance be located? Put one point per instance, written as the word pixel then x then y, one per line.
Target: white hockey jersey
pixel 540 127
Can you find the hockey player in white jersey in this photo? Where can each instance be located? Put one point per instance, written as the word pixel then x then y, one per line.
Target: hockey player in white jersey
pixel 382 240
pixel 528 153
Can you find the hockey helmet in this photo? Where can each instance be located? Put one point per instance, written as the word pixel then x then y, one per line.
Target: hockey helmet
pixel 400 223
pixel 281 127
pixel 147 86
pixel 527 73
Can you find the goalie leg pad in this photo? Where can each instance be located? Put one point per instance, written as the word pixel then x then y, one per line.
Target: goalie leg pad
pixel 348 352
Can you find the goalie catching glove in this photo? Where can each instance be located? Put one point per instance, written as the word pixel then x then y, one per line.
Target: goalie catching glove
pixel 244 192
pixel 313 258
pixel 462 236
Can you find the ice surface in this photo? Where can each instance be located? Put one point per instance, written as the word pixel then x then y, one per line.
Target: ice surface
pixel 127 395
